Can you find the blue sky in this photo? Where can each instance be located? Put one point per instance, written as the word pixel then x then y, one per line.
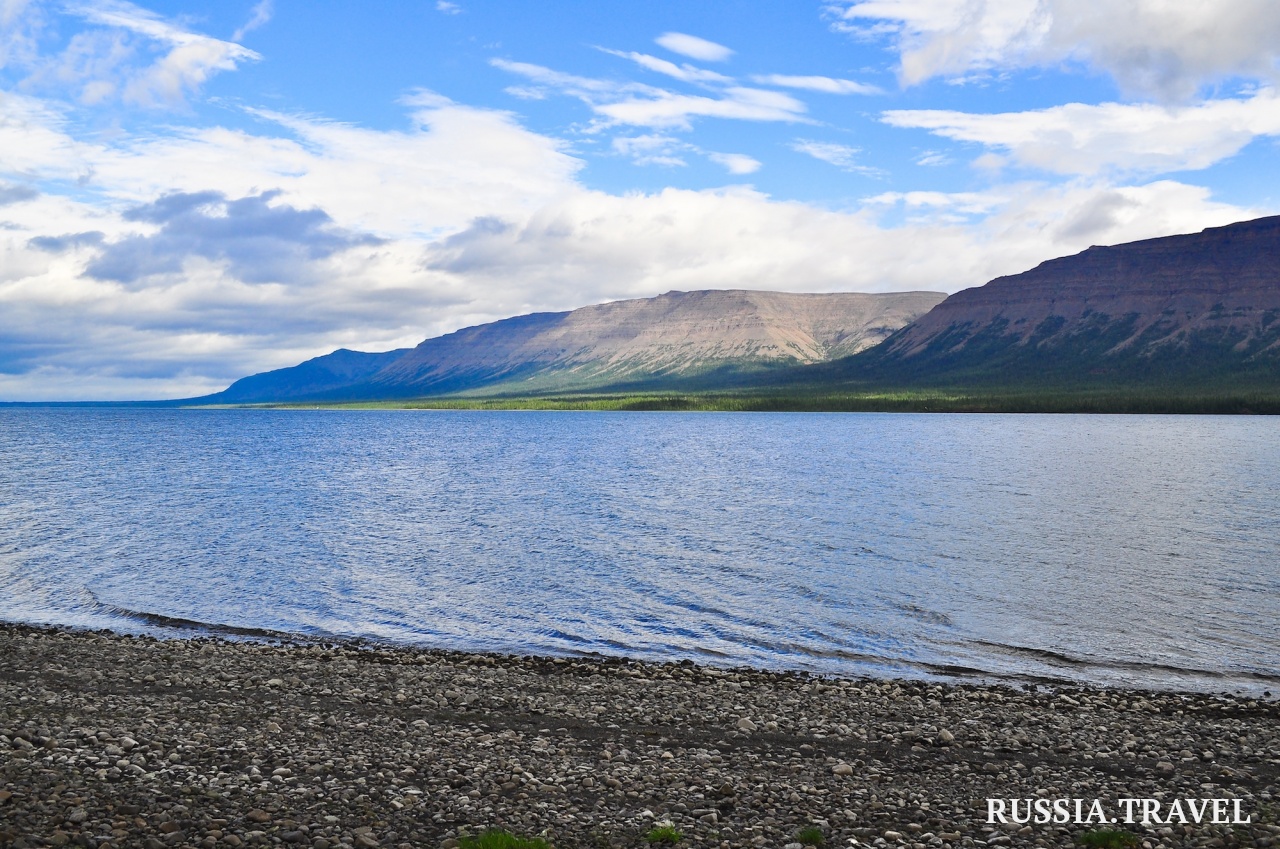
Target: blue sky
pixel 191 192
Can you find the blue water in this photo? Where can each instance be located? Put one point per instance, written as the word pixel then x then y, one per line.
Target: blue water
pixel 1138 550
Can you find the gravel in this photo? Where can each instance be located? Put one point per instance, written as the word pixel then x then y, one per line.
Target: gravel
pixel 108 740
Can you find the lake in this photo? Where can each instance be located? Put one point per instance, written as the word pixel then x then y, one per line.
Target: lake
pixel 1115 550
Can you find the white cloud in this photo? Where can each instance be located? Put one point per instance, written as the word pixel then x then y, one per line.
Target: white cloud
pixel 826 85
pixel 736 163
pixel 685 73
pixel 1088 139
pixel 378 238
pixel 652 149
pixel 693 47
pixel 1164 48
pixel 676 110
pixel 648 106
pixel 586 88
pixel 462 242
pixel 108 63
pixel 258 16
pixel 448 8
pixel 839 155
pixel 19 22
pixel 933 158
pixel 590 246
pixel 186 312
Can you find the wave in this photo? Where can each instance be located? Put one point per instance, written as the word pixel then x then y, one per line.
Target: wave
pixel 1056 658
pixel 222 629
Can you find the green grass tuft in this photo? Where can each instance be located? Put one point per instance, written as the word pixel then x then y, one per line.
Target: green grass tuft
pixel 497 839
pixel 1109 838
pixel 811 836
pixel 664 834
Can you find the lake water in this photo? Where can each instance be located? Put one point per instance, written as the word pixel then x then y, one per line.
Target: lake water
pixel 1137 550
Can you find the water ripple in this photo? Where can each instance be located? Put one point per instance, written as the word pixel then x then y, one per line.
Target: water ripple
pixel 1124 550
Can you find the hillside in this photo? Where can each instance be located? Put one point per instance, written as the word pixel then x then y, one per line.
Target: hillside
pixel 685 338
pixel 1181 310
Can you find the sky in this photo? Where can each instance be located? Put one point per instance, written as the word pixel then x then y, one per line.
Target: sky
pixel 191 192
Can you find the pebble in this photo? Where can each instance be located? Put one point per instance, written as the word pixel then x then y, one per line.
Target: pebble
pixel 114 741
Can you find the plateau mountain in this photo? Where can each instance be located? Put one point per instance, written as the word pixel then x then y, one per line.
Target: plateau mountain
pixel 702 339
pixel 1187 310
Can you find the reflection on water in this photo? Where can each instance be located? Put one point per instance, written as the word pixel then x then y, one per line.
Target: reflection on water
pixel 1106 549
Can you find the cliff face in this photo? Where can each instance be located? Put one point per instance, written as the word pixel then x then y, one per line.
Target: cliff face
pixel 679 335
pixel 1153 305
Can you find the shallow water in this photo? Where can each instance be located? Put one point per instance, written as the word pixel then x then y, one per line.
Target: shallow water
pixel 1139 550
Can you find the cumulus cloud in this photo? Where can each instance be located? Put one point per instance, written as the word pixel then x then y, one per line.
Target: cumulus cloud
pixel 199 277
pixel 170 262
pixel 592 247
pixel 260 242
pixel 68 241
pixel 694 47
pixel 826 85
pixel 1169 50
pixel 1087 139
pixel 454 163
pixel 15 193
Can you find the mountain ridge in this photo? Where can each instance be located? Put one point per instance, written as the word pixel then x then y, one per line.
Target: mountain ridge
pixel 676 336
pixel 1184 310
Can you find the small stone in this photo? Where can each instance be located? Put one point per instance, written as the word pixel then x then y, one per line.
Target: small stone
pixel 946 736
pixel 274 728
pixel 745 724
pixel 842 769
pixel 258 815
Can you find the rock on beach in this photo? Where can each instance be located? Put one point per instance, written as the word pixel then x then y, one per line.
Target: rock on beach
pixel 113 741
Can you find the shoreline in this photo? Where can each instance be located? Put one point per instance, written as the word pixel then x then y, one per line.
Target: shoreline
pixel 115 740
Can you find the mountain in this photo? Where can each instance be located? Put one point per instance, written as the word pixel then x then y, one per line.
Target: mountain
pixel 1188 310
pixel 329 376
pixel 689 339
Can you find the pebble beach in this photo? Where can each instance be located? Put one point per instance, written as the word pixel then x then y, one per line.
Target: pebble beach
pixel 109 740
